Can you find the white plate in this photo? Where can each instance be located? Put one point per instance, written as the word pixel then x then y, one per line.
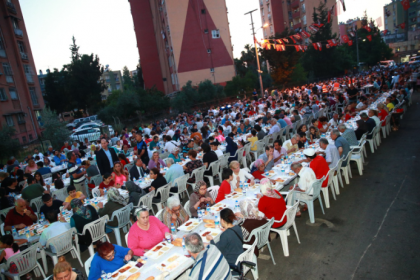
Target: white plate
pixel 158 253
pixel 193 223
pixel 170 266
pixel 217 205
pixel 213 232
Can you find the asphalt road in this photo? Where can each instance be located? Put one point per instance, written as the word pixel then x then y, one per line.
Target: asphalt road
pixel 372 227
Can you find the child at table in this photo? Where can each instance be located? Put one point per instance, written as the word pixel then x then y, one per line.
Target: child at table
pixel 313 134
pixel 11 248
pixel 107 183
pixel 227 176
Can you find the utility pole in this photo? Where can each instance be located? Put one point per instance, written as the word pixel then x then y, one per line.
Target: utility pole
pixel 256 52
pixel 357 50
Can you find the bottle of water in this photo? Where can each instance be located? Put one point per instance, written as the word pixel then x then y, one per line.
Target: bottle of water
pixel 199 214
pixel 236 205
pixel 14 232
pixel 216 221
pixel 104 192
pixel 173 230
pixel 208 208
pixel 184 249
pixel 109 276
pixel 42 217
pixel 103 275
pixel 27 233
pixel 244 190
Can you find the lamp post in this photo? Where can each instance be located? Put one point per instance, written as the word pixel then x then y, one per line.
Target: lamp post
pixel 256 52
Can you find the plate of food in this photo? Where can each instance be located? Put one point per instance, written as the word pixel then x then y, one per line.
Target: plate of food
pixel 159 250
pixel 210 231
pixel 124 269
pixel 209 223
pixel 171 263
pixel 218 207
pixel 189 225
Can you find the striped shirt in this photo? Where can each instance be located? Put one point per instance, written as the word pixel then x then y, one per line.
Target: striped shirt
pixel 215 267
pixel 74 169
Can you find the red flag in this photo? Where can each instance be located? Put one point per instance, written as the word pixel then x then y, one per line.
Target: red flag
pixel 385 31
pixel 330 12
pixel 350 43
pixel 405 4
pixel 297 48
pixel 256 41
pixel 264 44
pixel 291 37
pixel 278 48
pixel 315 46
pixel 301 48
pixel 268 46
pixel 334 42
pixel 305 47
pixel 369 37
pixel 328 46
pixel 402 25
pixel 345 38
pixel 297 36
pixel 367 28
pixel 305 34
pixel 319 46
pixel 319 25
pixel 280 41
pixel 286 40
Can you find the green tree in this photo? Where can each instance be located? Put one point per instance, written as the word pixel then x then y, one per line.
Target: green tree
pixel 138 78
pixel 240 85
pixel 299 76
pixel 128 82
pixel 55 88
pixel 53 129
pixel 8 146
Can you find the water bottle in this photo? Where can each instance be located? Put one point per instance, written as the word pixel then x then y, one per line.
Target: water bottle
pixel 109 275
pixel 183 246
pixel 199 214
pixel 14 232
pixel 208 208
pixel 42 217
pixel 103 275
pixel 236 204
pixel 244 190
pixel 216 221
pixel 104 192
pixel 27 233
pixel 173 230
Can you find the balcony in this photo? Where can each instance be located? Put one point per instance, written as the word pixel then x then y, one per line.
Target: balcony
pixel 18 32
pixel 394 38
pixel 24 56
pixel 296 14
pixel 11 7
pixel 295 4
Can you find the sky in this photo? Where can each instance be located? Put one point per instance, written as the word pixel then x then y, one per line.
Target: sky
pixel 105 28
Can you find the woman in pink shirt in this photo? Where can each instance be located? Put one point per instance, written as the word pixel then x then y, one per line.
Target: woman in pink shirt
pixel 119 175
pixel 146 232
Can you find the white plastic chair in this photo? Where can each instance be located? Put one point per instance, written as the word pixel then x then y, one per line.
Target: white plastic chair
pixel 284 231
pixel 22 184
pixel 26 261
pixel 164 155
pixel 249 256
pixel 87 264
pixel 126 238
pixel 60 194
pixel 346 170
pixel 146 200
pixel 372 141
pixel 213 191
pixel 261 236
pixel 97 232
pixel 2 229
pixel 224 162
pixel 247 148
pixel 187 208
pixel 97 180
pixel 198 174
pixel 128 166
pixel 240 154
pixel 316 187
pixel 164 195
pixel 38 204
pixel 96 192
pixel 159 215
pixel 357 156
pixel 214 167
pixel 123 218
pixel 45 176
pixel 329 186
pixel 260 148
pixel 62 244
pixel 181 183
pixel 5 211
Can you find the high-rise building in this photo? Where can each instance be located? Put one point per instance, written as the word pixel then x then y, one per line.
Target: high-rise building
pixel 349 25
pixel 282 14
pixel 113 81
pixel 21 101
pixel 181 41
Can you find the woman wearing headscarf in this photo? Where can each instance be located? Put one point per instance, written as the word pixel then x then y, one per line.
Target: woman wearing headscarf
pixel 115 202
pixel 200 198
pixel 259 173
pixel 82 215
pixel 231 147
pixel 271 203
pixel 134 192
pixel 177 135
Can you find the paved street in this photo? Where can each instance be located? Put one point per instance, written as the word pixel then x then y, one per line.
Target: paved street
pixel 371 229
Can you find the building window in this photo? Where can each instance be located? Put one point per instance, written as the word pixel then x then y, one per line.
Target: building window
pixel 22 50
pixel 208 50
pixel 24 139
pixel 212 70
pixel 3 96
pixel 34 97
pixel 8 72
pixel 2 49
pixel 30 137
pixel 9 120
pixel 21 118
pixel 215 34
pixel 203 11
pixel 262 11
pixel 271 29
pixel 206 31
pixel 13 94
pixel 28 73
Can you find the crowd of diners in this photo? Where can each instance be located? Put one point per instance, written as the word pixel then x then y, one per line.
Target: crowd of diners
pixel 197 138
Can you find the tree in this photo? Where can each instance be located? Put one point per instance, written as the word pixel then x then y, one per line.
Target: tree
pixel 240 85
pixel 74 50
pixel 53 129
pixel 138 78
pixel 298 76
pixel 128 82
pixel 55 91
pixel 282 63
pixel 8 146
pixel 324 64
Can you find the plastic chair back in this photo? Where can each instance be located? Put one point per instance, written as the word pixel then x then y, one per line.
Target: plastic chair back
pixel 164 193
pixel 164 155
pixel 159 214
pixel 128 166
pixel 5 211
pixel 181 183
pixel 261 234
pixel 45 176
pixel 248 256
pixel 261 146
pixel 62 243
pixel 146 200
pixel 22 184
pixel 123 215
pixel 290 213
pixel 88 262
pixel 215 167
pixel 26 260
pixel 198 173
pixel 266 139
pixel 60 194
pixel 97 179
pixel 37 202
pixel 316 187
pixel 187 208
pixel 96 192
pixel 213 191
pixel 224 160
pixel 96 228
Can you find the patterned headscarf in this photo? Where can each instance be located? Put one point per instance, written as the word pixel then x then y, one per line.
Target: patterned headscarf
pixel 267 189
pixel 114 195
pixel 258 163
pixel 249 210
pixel 79 209
pixel 198 185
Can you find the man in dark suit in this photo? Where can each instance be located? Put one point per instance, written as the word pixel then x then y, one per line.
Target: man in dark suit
pixel 370 124
pixel 105 158
pixel 138 170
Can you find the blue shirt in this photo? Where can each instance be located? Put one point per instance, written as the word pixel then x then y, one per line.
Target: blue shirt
pixel 282 123
pixel 44 170
pixel 57 160
pixel 108 154
pixel 174 172
pixel 98 264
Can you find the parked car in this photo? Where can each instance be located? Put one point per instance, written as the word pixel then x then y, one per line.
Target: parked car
pixel 387 63
pixel 76 121
pixel 91 124
pixel 92 134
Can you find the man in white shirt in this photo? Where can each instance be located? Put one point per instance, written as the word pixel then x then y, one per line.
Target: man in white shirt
pixel 37 153
pixel 335 121
pixel 306 179
pixel 55 228
pixel 291 145
pixel 170 131
pixel 215 148
pixel 171 144
pixel 331 152
pixel 199 124
pixel 146 130
pixel 274 127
